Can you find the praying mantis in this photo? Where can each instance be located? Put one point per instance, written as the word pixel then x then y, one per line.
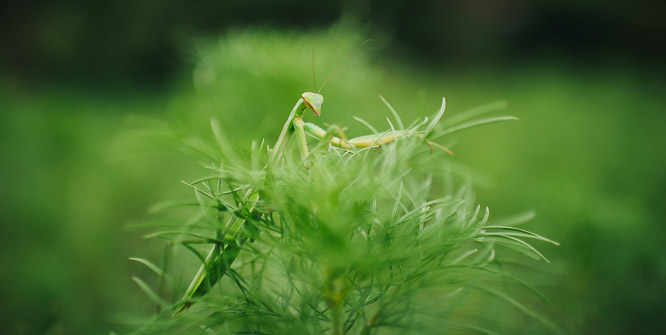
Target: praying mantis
pixel 225 250
pixel 313 102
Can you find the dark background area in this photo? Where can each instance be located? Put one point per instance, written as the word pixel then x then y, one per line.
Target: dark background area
pixel 115 42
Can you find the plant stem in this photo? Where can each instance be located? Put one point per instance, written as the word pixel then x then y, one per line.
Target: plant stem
pixel 336 317
pixel 335 292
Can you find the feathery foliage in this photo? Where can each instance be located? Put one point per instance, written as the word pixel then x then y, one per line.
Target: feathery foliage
pixel 358 242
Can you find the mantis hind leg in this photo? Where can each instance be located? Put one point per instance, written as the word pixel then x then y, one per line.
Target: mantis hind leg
pixel 340 140
pixel 376 140
pixel 328 136
pixel 373 140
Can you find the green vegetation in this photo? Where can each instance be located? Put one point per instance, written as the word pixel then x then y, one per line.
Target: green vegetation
pixel 584 157
pixel 359 241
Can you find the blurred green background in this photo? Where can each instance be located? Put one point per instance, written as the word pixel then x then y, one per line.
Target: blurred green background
pixel 81 79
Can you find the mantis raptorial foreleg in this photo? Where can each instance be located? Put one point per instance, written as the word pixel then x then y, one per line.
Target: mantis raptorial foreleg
pixel 299 131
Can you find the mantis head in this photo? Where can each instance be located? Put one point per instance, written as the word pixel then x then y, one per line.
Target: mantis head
pixel 313 101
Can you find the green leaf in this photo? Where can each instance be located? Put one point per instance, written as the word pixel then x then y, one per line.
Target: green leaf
pixel 472 124
pixel 436 119
pixel 157 270
pixel 513 231
pixel 150 293
pixel 365 123
pixel 395 114
pixel 513 302
pixel 476 112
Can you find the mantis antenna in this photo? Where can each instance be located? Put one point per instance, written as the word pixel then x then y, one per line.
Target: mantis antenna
pixel 314 80
pixel 343 61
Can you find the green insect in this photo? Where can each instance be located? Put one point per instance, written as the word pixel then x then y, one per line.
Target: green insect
pixel 313 102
